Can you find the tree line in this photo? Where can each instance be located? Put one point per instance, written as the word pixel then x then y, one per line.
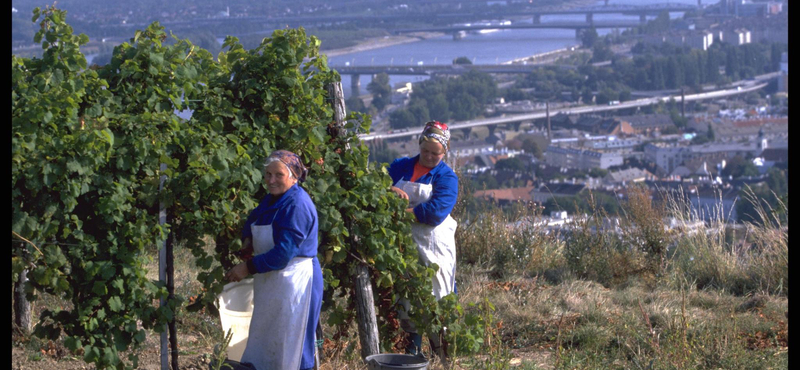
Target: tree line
pixel 446 99
pixel 652 68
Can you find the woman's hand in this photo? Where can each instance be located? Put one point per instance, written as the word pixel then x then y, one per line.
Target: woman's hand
pixel 400 192
pixel 237 273
pixel 246 253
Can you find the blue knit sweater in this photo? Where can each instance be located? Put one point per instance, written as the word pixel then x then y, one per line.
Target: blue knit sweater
pixel 445 189
pixel 293 217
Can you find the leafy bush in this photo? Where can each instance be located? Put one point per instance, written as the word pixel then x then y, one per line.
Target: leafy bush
pixel 87 185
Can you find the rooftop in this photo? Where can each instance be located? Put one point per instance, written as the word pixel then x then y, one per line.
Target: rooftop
pixel 630 174
pixel 724 147
pixel 647 120
pixel 513 194
pixel 776 154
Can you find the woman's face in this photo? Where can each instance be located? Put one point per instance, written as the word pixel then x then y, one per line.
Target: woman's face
pixel 430 154
pixel 278 178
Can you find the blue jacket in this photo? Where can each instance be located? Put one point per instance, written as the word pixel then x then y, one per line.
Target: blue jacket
pixel 293 217
pixel 445 189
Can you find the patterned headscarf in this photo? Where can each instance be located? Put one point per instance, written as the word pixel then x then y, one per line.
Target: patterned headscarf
pixel 436 131
pixel 292 161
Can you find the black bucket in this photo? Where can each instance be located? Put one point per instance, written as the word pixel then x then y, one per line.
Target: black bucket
pixel 396 361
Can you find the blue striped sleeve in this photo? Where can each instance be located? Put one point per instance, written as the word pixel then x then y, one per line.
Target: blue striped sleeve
pixel 445 193
pixel 289 230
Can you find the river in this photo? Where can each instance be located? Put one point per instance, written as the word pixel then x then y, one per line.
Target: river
pixel 485 48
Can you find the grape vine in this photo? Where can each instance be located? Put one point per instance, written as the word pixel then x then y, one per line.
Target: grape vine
pixel 87 146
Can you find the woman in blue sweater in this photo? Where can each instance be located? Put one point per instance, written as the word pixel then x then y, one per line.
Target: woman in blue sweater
pixel 431 187
pixel 287 286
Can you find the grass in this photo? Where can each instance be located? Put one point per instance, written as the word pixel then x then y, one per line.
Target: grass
pixel 706 297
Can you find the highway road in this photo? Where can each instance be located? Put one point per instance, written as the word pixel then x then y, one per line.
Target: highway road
pixel 742 87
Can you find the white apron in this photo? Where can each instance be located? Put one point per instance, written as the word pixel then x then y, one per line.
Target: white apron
pixel 436 244
pixel 281 301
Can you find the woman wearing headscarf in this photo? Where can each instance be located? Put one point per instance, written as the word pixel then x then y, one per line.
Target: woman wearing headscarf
pixel 431 188
pixel 287 286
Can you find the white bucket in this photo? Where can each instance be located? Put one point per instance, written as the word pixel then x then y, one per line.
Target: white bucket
pixel 235 311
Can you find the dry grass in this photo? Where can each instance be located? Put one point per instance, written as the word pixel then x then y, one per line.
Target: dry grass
pixel 713 255
pixel 646 297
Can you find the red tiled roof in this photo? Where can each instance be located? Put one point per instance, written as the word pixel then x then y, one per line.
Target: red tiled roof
pixel 495 158
pixel 463 161
pixel 513 194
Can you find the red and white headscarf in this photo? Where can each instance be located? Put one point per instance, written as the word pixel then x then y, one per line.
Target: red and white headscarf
pixel 436 131
pixel 292 162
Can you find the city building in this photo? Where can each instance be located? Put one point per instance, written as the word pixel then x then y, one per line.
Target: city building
pixel 746 8
pixel 737 36
pixel 601 125
pixel 772 156
pixel 460 148
pixel 750 129
pixel 581 159
pixel 698 39
pixel 696 168
pixel 647 124
pixel 563 120
pixel 692 38
pixel 615 143
pixel 756 9
pixel 770 29
pixel 628 176
pixel 613 127
pixel 774 8
pixel 669 156
pixel 666 157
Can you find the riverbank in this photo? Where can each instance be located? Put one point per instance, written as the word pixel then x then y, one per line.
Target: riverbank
pixel 386 41
pixel 546 57
pixel 553 55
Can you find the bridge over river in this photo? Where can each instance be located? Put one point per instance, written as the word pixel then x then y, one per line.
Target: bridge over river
pixel 458 31
pixel 536 16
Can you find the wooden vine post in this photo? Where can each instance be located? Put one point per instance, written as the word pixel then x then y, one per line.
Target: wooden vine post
pixel 162 274
pixel 365 303
pixel 22 307
pixel 166 274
